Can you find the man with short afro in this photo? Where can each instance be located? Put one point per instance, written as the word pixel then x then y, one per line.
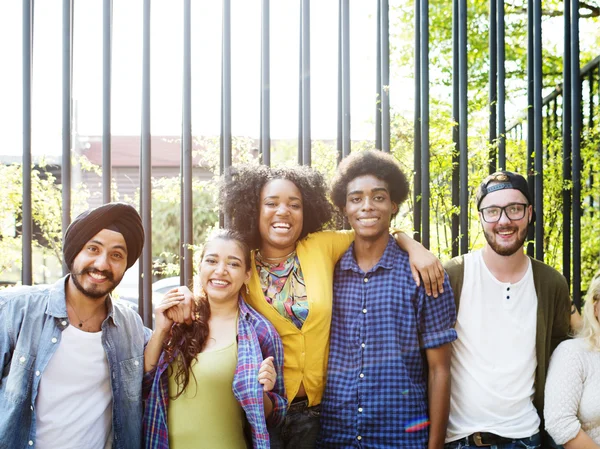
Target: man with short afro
pixel 390 341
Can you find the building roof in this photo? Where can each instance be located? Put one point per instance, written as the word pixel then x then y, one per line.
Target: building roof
pixel 125 150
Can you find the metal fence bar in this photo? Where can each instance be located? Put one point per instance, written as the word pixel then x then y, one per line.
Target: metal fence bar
pixel 305 53
pixel 27 220
pixel 340 93
pixel 576 151
pixel 566 141
pixel 501 87
pixel 226 147
pixel 538 137
pixel 463 130
pixel 456 130
pixel 385 75
pixel 417 124
pixel 345 37
pixel 186 265
pixel 493 81
pixel 67 92
pixel 265 83
pixel 530 127
pixel 378 89
pixel 300 94
pixel 425 191
pixel 145 305
pixel 106 99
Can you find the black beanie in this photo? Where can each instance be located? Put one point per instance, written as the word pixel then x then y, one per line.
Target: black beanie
pixel 119 217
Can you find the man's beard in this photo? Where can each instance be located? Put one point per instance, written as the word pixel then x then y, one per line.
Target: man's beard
pixel 95 294
pixel 506 250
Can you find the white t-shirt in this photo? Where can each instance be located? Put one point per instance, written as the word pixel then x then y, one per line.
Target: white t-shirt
pixel 74 402
pixel 493 360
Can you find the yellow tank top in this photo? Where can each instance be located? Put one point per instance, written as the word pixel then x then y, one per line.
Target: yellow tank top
pixel 207 414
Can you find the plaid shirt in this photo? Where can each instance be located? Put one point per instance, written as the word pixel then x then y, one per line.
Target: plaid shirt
pixel 257 340
pixel 376 393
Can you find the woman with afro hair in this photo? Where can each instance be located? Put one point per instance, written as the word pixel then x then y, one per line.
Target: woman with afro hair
pixel 282 213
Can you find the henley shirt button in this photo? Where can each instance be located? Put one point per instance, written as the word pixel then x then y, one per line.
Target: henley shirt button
pixel 22 359
pixel 359 409
pixel 364 310
pixel 37 373
pixel 54 340
pixel 361 375
pixel 366 279
pixel 359 438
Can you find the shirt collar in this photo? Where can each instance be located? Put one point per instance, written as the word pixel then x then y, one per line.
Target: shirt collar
pixel 57 303
pixel 348 261
pixel 244 309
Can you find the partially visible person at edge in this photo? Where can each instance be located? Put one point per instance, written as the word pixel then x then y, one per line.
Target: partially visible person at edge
pixel 71 357
pixel 572 408
pixel 280 212
pixel 216 382
pixel 512 311
pixel 388 379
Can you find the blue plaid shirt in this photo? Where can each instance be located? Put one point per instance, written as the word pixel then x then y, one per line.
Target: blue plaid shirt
pixel 376 393
pixel 257 340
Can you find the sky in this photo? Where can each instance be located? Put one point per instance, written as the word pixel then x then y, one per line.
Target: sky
pixel 166 66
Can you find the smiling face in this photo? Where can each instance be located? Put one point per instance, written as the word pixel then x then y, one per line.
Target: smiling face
pixel 506 236
pixel 100 265
pixel 223 270
pixel 280 217
pixel 369 208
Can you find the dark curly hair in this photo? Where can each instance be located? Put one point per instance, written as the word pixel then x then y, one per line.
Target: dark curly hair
pixel 240 190
pixel 370 162
pixel 186 341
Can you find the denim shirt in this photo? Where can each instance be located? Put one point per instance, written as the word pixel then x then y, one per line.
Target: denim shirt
pixel 31 323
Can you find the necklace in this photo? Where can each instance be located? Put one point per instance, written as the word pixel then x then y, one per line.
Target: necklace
pixel 275 259
pixel 82 322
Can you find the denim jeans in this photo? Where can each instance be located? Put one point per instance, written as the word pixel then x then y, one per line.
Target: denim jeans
pixel 532 442
pixel 299 429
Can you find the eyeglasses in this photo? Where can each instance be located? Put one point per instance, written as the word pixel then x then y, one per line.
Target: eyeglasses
pixel 513 211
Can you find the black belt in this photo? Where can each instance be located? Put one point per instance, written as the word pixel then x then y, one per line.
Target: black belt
pixel 483 439
pixel 298 404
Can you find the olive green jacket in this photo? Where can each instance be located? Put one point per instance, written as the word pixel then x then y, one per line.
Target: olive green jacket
pixel 553 314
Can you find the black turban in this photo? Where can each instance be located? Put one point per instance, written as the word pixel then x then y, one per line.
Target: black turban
pixel 119 217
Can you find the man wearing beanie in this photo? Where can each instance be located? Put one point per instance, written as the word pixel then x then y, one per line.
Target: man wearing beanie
pixel 512 311
pixel 71 358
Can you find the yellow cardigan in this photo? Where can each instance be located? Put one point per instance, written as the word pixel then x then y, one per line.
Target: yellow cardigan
pixel 305 351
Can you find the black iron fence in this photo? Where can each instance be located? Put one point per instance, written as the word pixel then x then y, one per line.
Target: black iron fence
pixel 560 111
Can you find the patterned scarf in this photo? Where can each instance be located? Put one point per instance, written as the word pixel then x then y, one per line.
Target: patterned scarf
pixel 283 286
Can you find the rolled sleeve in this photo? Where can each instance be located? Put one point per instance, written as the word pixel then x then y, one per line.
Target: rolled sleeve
pixel 437 317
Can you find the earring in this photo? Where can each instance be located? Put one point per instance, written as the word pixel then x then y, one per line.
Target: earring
pixel 247 289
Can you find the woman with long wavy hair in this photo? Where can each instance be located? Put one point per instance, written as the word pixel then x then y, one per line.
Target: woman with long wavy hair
pixel 572 395
pixel 214 383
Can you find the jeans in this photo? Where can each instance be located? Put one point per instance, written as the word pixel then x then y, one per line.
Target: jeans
pixel 299 429
pixel 532 442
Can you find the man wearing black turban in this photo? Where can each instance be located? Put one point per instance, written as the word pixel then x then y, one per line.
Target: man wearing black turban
pixel 72 357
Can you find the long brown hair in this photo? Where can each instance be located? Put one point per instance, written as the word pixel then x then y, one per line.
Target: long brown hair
pixel 187 340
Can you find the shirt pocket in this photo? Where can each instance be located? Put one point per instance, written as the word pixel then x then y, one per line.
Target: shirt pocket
pixel 132 371
pixel 17 386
